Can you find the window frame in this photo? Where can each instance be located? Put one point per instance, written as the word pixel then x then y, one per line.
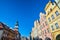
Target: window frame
pixel 57 13
pixel 52 17
pixel 52 27
pixel 49 19
pixel 57 26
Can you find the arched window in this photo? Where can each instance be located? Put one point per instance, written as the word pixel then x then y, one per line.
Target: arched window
pixel 58 37
pixel 47 38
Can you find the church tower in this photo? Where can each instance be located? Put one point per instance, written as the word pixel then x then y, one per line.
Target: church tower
pixel 16 26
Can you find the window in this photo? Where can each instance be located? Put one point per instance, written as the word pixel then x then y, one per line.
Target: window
pixel 49 19
pixel 57 26
pixel 43 25
pixel 52 16
pixel 40 33
pixel 50 9
pixel 52 27
pixel 44 31
pixel 48 13
pixel 17 36
pixel 5 34
pixel 56 13
pixel 40 27
pixel 46 23
pixel 44 17
pixel 48 30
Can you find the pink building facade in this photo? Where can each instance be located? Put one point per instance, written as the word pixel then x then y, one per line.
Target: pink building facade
pixel 46 34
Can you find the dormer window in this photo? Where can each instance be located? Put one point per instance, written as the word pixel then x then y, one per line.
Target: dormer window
pixel 50 9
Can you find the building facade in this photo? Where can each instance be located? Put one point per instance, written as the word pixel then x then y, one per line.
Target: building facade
pixel 7 33
pixel 16 28
pixel 46 34
pixel 53 19
pixel 34 33
pixel 39 31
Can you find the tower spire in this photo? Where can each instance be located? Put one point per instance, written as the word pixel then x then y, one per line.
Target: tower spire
pixel 17 23
pixel 16 26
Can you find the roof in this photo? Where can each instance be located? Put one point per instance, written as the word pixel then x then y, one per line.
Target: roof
pixel 47 5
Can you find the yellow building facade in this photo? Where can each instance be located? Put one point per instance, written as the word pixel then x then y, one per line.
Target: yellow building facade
pixel 53 19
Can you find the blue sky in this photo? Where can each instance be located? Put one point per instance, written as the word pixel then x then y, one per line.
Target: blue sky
pixel 25 11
